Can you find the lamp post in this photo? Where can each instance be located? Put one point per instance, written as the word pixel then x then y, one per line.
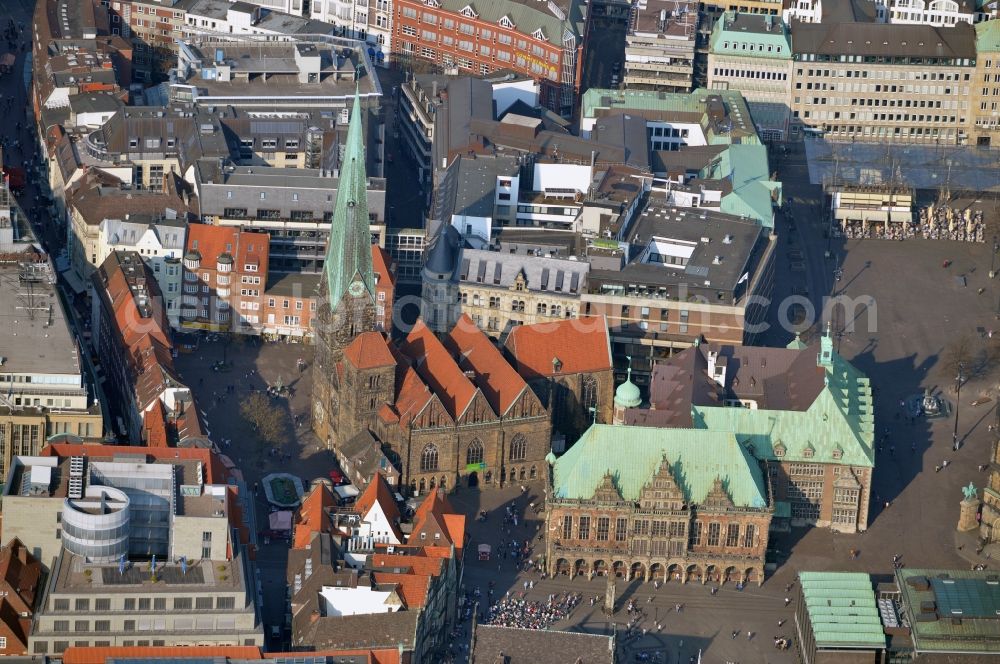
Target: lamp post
pixel 993 257
pixel 958 402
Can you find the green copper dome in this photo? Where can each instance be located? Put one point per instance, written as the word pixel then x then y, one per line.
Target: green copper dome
pixel 627 395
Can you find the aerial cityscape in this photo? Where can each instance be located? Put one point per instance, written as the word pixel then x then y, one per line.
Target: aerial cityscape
pixel 500 331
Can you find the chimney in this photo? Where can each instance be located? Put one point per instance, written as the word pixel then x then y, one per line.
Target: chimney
pixel 315 616
pixel 434 89
pixel 22 554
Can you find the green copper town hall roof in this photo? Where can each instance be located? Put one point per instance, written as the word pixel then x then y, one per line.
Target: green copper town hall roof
pixel 838 427
pixel 633 454
pixel 349 252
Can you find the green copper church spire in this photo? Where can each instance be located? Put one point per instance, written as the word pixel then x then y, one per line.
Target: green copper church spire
pixel 349 252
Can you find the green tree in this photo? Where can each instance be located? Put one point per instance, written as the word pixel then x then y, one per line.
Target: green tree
pixel 268 420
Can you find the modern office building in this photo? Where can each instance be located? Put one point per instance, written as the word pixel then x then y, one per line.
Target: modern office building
pixel 660 45
pixel 752 53
pixel 856 81
pixel 984 125
pixel 43 390
pixel 143 546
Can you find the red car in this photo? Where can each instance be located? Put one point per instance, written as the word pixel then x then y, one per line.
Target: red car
pixel 337 477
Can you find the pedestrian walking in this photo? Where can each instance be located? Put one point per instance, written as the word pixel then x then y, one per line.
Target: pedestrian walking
pixel 788 601
pixel 735 632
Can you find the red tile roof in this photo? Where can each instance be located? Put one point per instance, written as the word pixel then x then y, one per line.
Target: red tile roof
pixel 411 588
pixel 312 515
pixel 14 628
pixel 582 345
pixel 20 573
pixel 381 263
pixel 412 396
pixel 498 381
pixel 211 242
pixel 369 350
pixel 439 370
pixel 252 249
pixel 379 491
pixel 155 423
pixel 95 655
pixel 147 346
pixel 416 563
pixel 436 513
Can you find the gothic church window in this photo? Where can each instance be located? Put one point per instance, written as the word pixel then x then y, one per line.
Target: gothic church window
pixel 429 458
pixel 518 448
pixel 589 393
pixel 474 453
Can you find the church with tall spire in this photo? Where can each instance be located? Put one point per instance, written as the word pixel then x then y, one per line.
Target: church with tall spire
pixel 347 302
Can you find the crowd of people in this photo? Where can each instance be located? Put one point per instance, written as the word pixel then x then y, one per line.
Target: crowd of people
pixel 515 611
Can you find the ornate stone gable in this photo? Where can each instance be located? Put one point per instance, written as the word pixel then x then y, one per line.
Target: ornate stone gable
pixel 662 490
pixel 718 497
pixel 606 491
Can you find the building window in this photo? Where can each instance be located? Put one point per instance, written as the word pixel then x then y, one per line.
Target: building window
pixel 474 454
pixel 567 527
pixel 748 535
pixel 603 528
pixel 696 533
pixel 733 534
pixel 518 448
pixel 843 516
pixel 714 530
pixel 429 458
pixel 584 527
pixel 621 527
pixel 588 397
pixel 82 605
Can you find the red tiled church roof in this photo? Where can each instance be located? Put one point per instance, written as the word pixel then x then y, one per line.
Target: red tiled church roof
pixel 581 345
pixel 369 350
pixel 498 381
pixel 437 368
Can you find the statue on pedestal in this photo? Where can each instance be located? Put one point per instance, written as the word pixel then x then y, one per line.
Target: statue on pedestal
pixel 969 508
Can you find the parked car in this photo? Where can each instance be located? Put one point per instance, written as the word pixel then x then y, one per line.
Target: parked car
pixel 337 477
